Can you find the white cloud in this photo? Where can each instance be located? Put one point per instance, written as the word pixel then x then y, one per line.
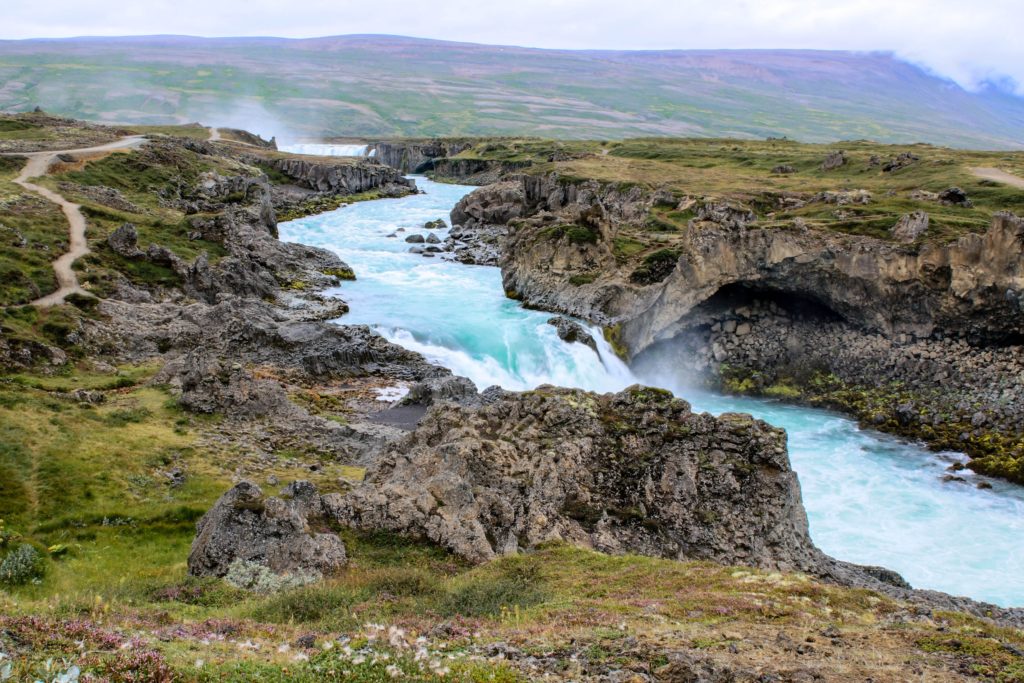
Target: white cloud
pixel 968 42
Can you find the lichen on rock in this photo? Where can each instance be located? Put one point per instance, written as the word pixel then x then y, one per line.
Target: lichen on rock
pixel 283 534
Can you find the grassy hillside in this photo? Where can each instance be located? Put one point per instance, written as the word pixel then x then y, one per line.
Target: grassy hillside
pixel 386 86
pixel 748 174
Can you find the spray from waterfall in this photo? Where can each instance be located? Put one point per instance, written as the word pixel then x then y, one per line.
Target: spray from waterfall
pixel 328 150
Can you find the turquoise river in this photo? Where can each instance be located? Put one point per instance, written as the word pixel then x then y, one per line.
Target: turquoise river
pixel 870 498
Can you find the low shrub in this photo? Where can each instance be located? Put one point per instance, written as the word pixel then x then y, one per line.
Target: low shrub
pixel 518 584
pixel 655 267
pixel 22 565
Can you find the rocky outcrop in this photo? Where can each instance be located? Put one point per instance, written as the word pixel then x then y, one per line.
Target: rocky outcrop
pixel 833 161
pixel 572 332
pixel 972 288
pixel 476 171
pixel 247 138
pixel 493 204
pixel 479 222
pixel 910 227
pixel 257 332
pixel 629 472
pixel 125 241
pixel 282 534
pixel 416 156
pixel 343 178
pixel 208 385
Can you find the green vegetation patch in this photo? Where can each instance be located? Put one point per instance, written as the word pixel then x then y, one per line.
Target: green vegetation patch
pixel 655 267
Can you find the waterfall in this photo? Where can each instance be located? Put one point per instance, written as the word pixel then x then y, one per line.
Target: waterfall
pixel 870 498
pixel 326 150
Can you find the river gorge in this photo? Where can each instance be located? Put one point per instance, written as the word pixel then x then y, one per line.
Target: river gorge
pixel 870 498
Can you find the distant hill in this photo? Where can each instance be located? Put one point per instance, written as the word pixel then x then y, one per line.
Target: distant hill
pixel 393 86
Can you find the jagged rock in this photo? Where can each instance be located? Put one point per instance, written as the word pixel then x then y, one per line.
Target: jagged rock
pixel 162 256
pixel 833 161
pixel 843 198
pixel 726 214
pixel 494 204
pixel 476 243
pixel 954 196
pixel 902 160
pixel 634 471
pixel 910 226
pixel 208 385
pixel 433 239
pixel 438 224
pixel 101 194
pixel 415 157
pixel 125 241
pixel 334 177
pixel 663 197
pixel 415 239
pixel 572 332
pixel 437 389
pixel 276 533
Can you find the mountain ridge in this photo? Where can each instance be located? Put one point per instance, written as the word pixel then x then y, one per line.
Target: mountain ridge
pixel 380 85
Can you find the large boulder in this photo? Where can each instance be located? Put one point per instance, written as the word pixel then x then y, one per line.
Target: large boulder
pixel 493 204
pixel 910 226
pixel 125 241
pixel 634 471
pixel 571 332
pixel 280 534
pixel 834 160
pixel 208 384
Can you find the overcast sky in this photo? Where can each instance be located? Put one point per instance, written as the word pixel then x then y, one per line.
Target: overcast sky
pixel 969 42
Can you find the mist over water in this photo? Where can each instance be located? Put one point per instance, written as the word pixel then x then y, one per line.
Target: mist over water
pixel 870 498
pixel 326 150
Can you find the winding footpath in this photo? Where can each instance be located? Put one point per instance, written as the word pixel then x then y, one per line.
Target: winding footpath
pixel 38 164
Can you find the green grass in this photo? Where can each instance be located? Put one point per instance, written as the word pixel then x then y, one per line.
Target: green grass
pixel 193 131
pixel 33 232
pixel 740 171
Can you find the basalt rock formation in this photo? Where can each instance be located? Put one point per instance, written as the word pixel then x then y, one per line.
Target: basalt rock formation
pixel 342 178
pixel 280 534
pixel 416 156
pixel 972 288
pixel 629 472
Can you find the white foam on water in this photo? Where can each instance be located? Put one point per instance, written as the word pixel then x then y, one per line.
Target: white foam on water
pixel 391 394
pixel 870 498
pixel 325 150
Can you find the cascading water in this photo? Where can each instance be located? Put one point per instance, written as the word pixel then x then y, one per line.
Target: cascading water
pixel 870 498
pixel 317 149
